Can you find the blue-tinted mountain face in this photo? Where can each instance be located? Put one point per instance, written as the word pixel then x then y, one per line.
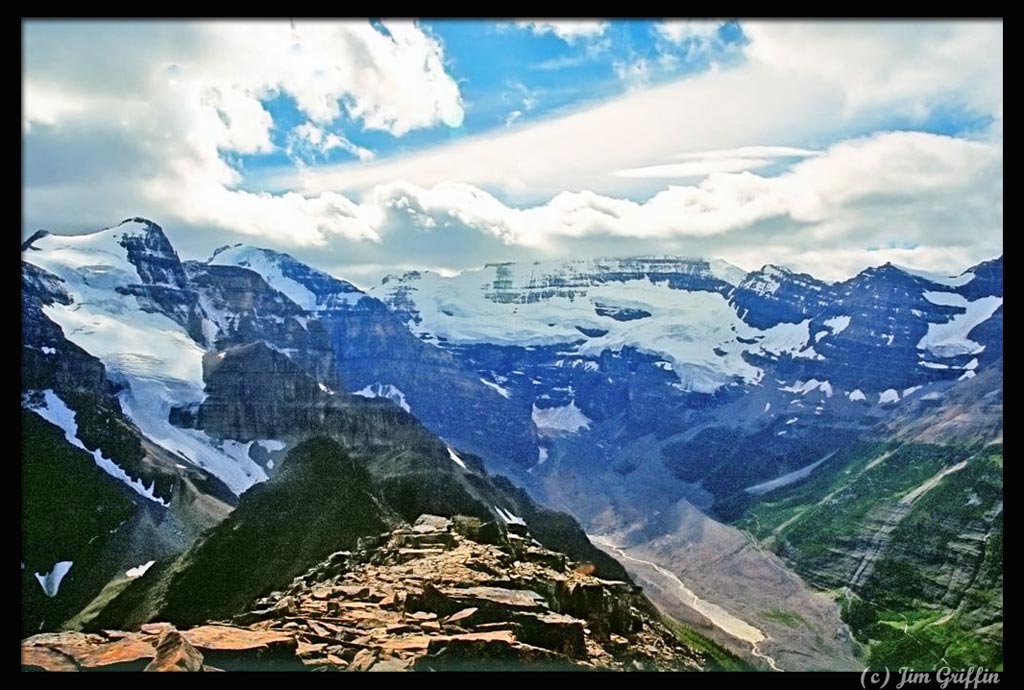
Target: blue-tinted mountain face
pixel 626 391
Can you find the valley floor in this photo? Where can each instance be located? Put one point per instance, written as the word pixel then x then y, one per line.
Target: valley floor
pixel 705 574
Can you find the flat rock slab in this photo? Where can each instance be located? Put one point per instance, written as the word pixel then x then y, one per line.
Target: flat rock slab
pixel 225 638
pixel 42 658
pixel 423 642
pixel 406 555
pixel 129 651
pixel 462 616
pixel 63 640
pixel 434 522
pixel 521 599
pixel 554 631
pixel 351 591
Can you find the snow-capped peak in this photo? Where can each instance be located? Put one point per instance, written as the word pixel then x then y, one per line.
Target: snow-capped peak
pixel 154 355
pixel 309 288
pixel 935 277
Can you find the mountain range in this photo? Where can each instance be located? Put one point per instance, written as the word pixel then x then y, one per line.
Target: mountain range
pixel 739 442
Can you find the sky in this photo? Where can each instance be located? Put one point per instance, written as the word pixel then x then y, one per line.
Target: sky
pixel 371 147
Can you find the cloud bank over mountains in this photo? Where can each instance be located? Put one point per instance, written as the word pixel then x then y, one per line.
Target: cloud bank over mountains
pixel 824 146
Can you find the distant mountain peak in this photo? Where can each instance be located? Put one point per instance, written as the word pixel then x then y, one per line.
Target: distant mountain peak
pixel 140 220
pixel 308 287
pixel 775 269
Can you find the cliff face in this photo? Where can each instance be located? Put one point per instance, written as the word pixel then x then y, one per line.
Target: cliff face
pixel 164 287
pixel 241 308
pixel 376 355
pixel 439 595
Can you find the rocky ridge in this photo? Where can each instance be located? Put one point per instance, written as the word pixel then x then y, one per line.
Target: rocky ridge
pixel 443 594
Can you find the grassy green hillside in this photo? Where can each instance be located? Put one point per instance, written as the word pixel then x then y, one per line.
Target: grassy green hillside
pixel 909 537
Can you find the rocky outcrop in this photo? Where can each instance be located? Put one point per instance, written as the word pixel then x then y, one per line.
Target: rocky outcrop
pixel 327 498
pixel 161 647
pixel 775 294
pixel 164 287
pixel 425 598
pixel 174 653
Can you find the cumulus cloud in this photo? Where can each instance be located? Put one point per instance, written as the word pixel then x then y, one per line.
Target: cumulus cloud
pixel 768 159
pixel 307 142
pixel 770 97
pixel 919 199
pixel 829 193
pixel 912 67
pixel 191 95
pixel 682 30
pixel 568 31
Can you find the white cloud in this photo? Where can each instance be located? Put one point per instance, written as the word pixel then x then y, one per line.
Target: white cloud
pixel 696 37
pixel 236 121
pixel 180 98
pixel 153 118
pixel 581 149
pixel 288 219
pixel 830 215
pixel 696 168
pixel 568 31
pixel 45 105
pixel 892 167
pixel 307 141
pixel 910 67
pixel 682 30
pixel 703 163
pixel 560 62
pixel 635 73
pixel 749 151
pixel 689 39
pixel 395 82
pixel 770 97
pixel 512 117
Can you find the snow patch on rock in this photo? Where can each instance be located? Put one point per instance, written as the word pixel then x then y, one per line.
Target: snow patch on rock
pixel 384 390
pixel 565 419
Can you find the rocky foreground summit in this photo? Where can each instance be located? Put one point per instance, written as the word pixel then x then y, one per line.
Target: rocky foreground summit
pixel 440 595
